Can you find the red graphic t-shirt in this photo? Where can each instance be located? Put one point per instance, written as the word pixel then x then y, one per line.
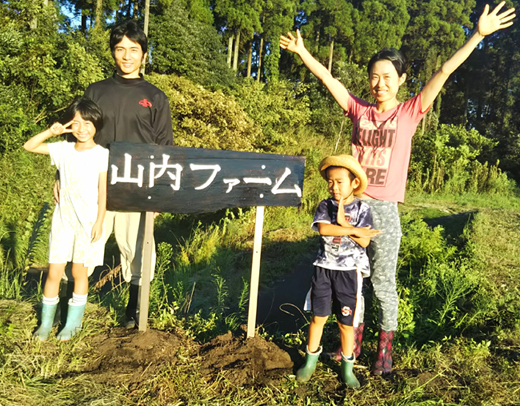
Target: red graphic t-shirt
pixel 382 143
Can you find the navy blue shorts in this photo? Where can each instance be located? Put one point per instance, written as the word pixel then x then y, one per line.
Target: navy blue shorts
pixel 341 289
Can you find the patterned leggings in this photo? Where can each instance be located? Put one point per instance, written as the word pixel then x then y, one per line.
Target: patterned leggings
pixel 382 252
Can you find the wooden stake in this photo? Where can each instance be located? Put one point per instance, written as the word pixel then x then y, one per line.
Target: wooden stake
pixel 144 291
pixel 255 272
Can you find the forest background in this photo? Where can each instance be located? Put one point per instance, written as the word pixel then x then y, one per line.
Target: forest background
pixel 231 87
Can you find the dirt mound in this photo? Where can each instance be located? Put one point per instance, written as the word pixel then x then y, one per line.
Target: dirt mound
pixel 244 361
pixel 130 356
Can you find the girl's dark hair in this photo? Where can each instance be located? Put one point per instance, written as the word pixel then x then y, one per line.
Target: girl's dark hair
pixel 132 31
pixel 88 110
pixel 392 55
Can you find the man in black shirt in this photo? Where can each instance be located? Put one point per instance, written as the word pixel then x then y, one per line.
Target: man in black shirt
pixel 133 111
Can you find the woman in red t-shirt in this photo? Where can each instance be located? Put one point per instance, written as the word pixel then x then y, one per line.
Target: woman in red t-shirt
pixel 381 141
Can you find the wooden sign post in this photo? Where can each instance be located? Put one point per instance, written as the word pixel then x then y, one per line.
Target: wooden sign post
pixel 152 178
pixel 144 291
pixel 255 272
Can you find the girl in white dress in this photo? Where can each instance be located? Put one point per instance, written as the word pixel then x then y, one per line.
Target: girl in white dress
pixel 77 222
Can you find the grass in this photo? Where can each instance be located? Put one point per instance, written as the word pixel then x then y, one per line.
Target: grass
pixel 478 366
pixel 459 291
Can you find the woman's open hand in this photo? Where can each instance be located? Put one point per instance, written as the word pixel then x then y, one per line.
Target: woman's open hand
pixel 292 43
pixel 488 22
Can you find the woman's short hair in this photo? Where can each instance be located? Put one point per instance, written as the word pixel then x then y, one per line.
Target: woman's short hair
pixel 88 110
pixel 392 55
pixel 132 31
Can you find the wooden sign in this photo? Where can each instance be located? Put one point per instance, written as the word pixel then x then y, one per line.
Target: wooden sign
pixel 145 177
pixel 154 178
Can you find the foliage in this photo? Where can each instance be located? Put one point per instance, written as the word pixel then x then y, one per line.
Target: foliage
pixel 277 16
pixel 187 47
pixel 433 365
pixel 327 116
pixel 443 303
pixel 96 44
pixel 26 190
pixel 205 119
pixel 190 288
pixel 372 19
pixel 287 106
pixel 490 234
pixel 41 71
pixel 491 106
pixel 445 160
pixel 199 10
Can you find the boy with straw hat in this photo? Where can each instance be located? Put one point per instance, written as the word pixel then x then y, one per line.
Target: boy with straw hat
pixel 344 223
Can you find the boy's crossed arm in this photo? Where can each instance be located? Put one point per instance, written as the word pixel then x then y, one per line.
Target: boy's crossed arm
pixel 360 235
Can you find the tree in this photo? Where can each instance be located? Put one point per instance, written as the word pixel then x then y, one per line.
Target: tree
pixel 199 10
pixel 242 18
pixel 41 71
pixel 93 12
pixel 492 106
pixel 187 47
pixel 351 30
pixel 323 23
pixel 437 29
pixel 377 24
pixel 277 16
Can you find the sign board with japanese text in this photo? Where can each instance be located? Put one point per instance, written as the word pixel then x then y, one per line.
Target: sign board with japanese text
pixel 143 177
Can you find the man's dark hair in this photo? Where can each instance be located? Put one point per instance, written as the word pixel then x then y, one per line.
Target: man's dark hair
pixel 392 55
pixel 88 110
pixel 132 31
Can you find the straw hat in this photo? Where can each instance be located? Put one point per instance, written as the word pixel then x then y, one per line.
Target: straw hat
pixel 347 162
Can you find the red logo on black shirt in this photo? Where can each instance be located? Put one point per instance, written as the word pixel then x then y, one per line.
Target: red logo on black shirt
pixel 145 103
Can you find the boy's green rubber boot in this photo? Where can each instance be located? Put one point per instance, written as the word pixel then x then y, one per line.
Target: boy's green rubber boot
pixel 305 372
pixel 73 324
pixel 48 312
pixel 347 374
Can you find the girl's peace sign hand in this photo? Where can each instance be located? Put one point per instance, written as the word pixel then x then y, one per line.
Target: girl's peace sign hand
pixel 488 22
pixel 58 128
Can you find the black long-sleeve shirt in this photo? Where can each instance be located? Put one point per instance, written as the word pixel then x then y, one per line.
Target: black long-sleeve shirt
pixel 133 111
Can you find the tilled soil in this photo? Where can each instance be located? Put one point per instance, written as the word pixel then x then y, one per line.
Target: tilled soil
pixel 129 357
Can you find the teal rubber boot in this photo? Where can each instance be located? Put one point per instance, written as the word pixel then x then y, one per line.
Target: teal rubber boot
pixel 48 312
pixel 305 372
pixel 347 373
pixel 73 324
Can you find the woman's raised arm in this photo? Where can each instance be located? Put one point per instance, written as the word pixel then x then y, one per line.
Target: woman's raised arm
pixel 336 88
pixel 488 23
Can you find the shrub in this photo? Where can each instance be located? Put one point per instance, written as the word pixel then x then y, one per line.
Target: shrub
pixel 279 107
pixel 439 285
pixel 205 119
pixel 446 160
pixel 41 71
pixel 26 190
